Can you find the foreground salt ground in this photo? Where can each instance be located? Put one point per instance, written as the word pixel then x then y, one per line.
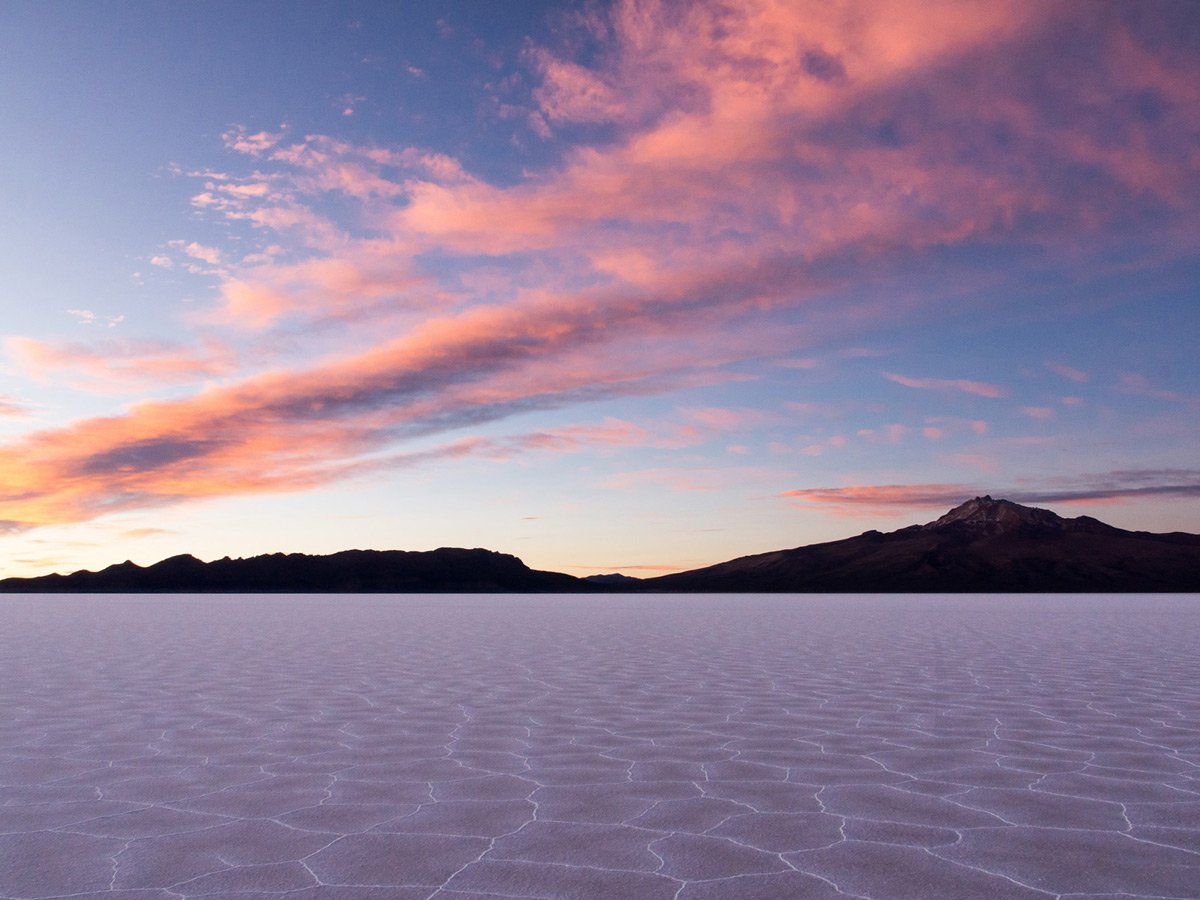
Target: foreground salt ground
pixel 474 748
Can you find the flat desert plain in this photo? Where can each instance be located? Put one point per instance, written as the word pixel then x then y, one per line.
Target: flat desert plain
pixel 586 747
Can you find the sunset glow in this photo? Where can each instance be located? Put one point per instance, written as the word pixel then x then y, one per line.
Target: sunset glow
pixel 631 286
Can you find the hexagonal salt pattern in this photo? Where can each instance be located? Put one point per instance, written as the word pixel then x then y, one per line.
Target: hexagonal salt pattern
pixel 599 748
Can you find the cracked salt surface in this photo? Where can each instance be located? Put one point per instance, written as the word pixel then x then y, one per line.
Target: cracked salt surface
pixel 684 748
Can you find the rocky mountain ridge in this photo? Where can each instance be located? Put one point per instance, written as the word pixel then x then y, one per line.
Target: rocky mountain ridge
pixel 981 546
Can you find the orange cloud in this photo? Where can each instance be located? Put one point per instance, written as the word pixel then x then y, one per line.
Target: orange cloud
pixel 292 430
pixel 144 532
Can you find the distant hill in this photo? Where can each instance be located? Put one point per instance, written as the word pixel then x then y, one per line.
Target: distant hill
pixel 615 578
pixel 448 570
pixel 984 545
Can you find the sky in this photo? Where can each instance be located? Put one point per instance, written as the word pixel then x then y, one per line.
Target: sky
pixel 629 286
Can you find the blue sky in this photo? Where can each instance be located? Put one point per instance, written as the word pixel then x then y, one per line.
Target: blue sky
pixel 630 286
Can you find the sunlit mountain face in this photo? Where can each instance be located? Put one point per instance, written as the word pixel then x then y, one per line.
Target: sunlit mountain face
pixel 627 287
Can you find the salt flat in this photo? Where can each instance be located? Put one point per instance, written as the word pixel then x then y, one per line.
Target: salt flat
pixel 480 747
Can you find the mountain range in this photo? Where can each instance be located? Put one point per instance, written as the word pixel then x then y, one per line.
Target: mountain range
pixel 983 545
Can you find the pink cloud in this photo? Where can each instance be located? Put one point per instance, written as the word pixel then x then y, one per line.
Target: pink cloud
pixel 246 191
pixel 981 388
pixel 612 433
pixel 199 251
pixel 722 419
pixel 1106 487
pixel 1075 375
pixel 1038 412
pixel 253 144
pixel 571 93
pixel 537 124
pixel 885 498
pixel 950 424
pixel 10 408
pixel 348 102
pixel 323 288
pixel 117 365
pixel 887 434
pixel 1139 385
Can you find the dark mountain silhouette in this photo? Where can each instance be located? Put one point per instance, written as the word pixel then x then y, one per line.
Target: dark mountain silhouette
pixel 615 578
pixel 448 570
pixel 984 545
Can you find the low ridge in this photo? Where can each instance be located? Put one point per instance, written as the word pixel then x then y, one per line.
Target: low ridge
pixel 446 570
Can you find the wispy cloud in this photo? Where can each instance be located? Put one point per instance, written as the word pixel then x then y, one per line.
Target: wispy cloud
pixel 1076 375
pixel 683 479
pixel 725 419
pixel 982 388
pixel 136 533
pixel 348 102
pixel 87 317
pixel 951 424
pixel 1043 413
pixel 120 365
pixel 11 408
pixel 242 141
pixel 1137 385
pixel 869 500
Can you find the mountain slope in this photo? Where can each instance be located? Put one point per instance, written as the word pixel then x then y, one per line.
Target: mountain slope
pixel 984 545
